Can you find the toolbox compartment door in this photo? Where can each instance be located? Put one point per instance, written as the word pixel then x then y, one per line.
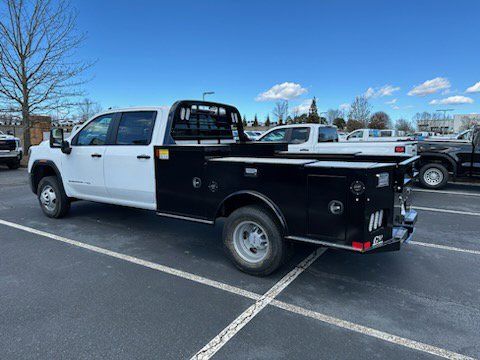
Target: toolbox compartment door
pixel 322 223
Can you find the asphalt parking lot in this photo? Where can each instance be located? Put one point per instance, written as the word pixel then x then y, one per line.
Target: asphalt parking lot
pixel 113 282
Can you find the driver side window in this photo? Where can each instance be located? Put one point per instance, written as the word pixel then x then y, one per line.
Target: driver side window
pixel 95 133
pixel 355 135
pixel 276 135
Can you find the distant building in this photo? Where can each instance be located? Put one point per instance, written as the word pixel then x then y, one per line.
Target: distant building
pixel 448 125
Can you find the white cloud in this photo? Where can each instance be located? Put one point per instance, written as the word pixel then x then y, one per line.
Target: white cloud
pixel 396 107
pixel 285 91
pixel 392 102
pixel 344 107
pixel 430 87
pixel 303 107
pixel 474 88
pixel 452 100
pixel 385 90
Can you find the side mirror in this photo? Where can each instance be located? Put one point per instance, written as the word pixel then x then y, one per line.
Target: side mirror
pixel 57 141
pixel 56 138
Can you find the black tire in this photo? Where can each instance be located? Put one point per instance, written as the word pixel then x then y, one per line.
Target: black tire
pixel 276 249
pixel 426 179
pixel 61 204
pixel 14 165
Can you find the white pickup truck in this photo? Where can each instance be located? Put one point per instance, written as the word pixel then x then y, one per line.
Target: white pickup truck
pixel 10 151
pixel 369 135
pixel 184 163
pixel 317 138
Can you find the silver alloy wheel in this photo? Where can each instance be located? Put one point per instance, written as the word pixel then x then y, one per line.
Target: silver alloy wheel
pixel 48 198
pixel 250 241
pixel 433 176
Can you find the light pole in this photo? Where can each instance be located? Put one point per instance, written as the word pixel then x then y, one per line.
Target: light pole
pixel 207 93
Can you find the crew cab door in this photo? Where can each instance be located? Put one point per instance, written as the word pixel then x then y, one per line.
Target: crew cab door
pixel 82 169
pixel 299 139
pixel 129 161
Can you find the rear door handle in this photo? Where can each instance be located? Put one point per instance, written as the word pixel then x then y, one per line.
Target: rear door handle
pixel 143 156
pixel 95 155
pixel 303 149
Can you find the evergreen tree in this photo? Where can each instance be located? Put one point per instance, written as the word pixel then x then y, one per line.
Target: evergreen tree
pixel 244 121
pixel 255 121
pixel 267 122
pixel 313 117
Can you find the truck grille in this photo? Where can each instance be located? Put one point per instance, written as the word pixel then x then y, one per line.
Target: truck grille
pixel 8 145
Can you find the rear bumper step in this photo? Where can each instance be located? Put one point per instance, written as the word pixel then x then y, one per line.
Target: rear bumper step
pixel 401 234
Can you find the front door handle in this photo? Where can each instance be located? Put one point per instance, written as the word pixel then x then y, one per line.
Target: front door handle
pixel 95 155
pixel 303 149
pixel 143 156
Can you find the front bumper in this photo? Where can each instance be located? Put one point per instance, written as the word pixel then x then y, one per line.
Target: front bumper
pixel 8 156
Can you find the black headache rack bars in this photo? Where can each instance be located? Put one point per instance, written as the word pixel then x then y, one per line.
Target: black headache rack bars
pixel 197 121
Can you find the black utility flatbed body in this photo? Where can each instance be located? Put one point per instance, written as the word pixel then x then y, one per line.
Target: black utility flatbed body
pixel 203 182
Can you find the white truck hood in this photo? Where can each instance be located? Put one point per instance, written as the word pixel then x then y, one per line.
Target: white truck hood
pixel 7 137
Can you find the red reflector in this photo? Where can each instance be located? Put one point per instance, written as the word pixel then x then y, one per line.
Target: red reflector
pixel 399 149
pixel 357 245
pixel 366 245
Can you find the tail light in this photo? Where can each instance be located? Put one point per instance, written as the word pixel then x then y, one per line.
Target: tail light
pixel 400 149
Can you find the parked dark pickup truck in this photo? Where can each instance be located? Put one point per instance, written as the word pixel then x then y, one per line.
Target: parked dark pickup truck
pixel 442 159
pixel 184 163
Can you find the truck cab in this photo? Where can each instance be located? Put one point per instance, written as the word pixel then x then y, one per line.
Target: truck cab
pixel 183 162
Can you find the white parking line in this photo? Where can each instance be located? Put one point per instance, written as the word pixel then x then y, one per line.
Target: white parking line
pixel 446 211
pixel 134 260
pixel 445 247
pixel 446 192
pixel 251 295
pixel 236 325
pixel 412 344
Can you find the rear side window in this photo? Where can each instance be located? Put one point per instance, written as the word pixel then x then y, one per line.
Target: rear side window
pixel 135 128
pixel 299 135
pixel 327 134
pixel 203 122
pixel 276 135
pixel 95 132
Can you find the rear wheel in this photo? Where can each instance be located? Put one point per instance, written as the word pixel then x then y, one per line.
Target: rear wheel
pixel 433 176
pixel 254 240
pixel 53 200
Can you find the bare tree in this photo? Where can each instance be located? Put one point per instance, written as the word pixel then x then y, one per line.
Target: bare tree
pixel 379 120
pixel 280 111
pixel 333 114
pixel 39 73
pixel 87 108
pixel 468 122
pixel 404 125
pixel 360 110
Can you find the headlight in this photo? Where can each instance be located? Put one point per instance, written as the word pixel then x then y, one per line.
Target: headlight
pixel 383 179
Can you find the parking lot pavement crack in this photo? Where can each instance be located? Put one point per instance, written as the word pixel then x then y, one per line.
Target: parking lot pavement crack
pixel 236 325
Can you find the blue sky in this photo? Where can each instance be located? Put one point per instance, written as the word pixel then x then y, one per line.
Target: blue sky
pixel 155 52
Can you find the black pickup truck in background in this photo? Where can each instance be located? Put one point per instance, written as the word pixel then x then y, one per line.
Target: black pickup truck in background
pixel 441 160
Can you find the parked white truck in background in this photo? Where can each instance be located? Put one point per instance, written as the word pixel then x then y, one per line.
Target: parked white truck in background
pixel 317 138
pixel 10 151
pixel 375 135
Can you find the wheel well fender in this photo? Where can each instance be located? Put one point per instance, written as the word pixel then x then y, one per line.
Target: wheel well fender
pixel 442 159
pixel 41 169
pixel 249 197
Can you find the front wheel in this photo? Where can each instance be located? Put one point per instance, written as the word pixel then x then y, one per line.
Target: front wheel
pixel 253 239
pixel 53 200
pixel 433 176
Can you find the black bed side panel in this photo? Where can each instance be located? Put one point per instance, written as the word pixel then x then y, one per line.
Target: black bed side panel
pixel 323 191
